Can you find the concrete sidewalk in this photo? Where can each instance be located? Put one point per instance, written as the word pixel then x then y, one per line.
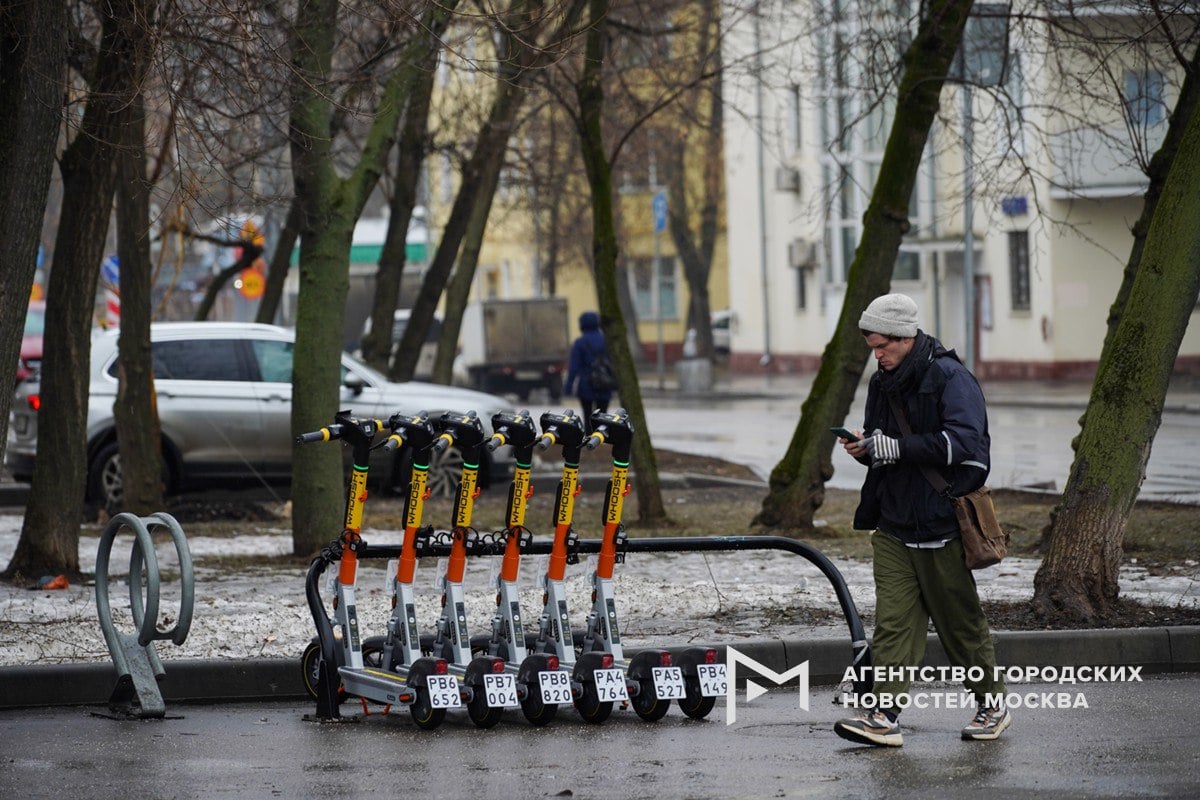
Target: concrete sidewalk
pixel 1153 650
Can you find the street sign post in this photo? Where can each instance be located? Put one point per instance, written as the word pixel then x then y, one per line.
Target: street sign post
pixel 659 208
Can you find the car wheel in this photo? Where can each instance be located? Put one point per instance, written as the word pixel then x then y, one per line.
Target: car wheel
pixel 105 485
pixel 445 471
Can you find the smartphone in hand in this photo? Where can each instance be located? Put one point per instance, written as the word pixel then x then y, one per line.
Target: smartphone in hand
pixel 845 433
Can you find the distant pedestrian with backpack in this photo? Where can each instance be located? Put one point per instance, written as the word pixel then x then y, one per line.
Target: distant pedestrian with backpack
pixel 589 370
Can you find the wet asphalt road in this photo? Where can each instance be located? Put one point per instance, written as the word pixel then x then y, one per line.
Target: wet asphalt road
pixel 1031 426
pixel 1135 740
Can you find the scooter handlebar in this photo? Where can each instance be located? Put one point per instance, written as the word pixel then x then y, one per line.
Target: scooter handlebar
pixel 594 441
pixel 546 441
pixel 442 442
pixel 324 435
pixel 392 442
pixel 495 442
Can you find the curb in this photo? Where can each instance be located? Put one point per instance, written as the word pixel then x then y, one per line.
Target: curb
pixel 1154 650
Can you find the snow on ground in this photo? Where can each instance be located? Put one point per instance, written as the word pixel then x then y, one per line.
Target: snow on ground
pixel 664 598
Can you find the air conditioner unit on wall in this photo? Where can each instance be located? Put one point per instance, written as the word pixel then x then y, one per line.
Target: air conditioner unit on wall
pixel 787 180
pixel 802 254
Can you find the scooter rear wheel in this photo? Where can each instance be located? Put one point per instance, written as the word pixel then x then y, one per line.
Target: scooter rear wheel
pixel 694 704
pixel 483 715
pixel 647 705
pixel 535 709
pixel 589 705
pixel 423 713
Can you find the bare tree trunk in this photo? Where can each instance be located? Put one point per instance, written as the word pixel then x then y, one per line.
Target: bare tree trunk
pixel 135 412
pixel 1078 577
pixel 411 150
pixel 492 140
pixel 696 250
pixel 325 237
pixel 590 92
pixel 49 540
pixel 459 289
pixel 1159 168
pixel 797 483
pixel 330 206
pixel 507 102
pixel 33 44
pixel 489 146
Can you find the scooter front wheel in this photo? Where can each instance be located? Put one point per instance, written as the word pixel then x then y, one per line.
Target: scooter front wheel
pixel 647 705
pixel 423 713
pixel 694 704
pixel 589 705
pixel 310 667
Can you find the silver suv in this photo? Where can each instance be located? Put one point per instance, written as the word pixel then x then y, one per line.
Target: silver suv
pixel 225 403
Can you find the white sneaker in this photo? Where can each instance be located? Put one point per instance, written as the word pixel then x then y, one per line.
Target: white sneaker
pixel 870 727
pixel 988 724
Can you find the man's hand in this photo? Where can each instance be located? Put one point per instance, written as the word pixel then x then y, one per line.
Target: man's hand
pixel 854 447
pixel 882 449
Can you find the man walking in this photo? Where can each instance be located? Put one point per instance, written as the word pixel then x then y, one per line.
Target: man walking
pixel 924 410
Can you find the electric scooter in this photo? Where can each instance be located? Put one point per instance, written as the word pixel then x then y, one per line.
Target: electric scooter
pixel 488 687
pixel 648 681
pixel 554 627
pixel 507 640
pixel 423 684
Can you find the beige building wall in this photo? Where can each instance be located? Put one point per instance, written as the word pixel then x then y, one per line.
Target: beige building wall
pixel 1066 181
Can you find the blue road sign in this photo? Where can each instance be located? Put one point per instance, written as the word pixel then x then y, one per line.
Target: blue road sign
pixel 660 212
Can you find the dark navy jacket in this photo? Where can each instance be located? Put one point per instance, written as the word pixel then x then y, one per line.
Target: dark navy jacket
pixel 589 346
pixel 948 418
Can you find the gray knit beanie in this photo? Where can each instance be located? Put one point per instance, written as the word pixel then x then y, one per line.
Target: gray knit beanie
pixel 890 315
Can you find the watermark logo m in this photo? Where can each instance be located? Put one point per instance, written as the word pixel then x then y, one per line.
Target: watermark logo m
pixel 734 657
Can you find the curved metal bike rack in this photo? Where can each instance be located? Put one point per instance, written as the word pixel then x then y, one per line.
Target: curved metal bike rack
pixel 860 649
pixel 138 667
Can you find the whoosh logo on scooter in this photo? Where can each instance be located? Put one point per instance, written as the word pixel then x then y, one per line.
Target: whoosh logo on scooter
pixel 566 496
pixel 518 496
pixel 416 493
pixel 466 498
pixel 616 496
pixel 358 483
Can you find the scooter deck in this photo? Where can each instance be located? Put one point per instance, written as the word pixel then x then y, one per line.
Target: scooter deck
pixel 377 685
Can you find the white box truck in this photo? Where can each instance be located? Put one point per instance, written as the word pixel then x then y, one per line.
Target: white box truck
pixel 515 346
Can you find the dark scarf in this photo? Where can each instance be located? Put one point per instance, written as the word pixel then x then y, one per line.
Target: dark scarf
pixel 907 377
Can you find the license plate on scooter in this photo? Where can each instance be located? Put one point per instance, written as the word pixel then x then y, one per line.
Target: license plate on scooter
pixel 668 683
pixel 713 682
pixel 610 685
pixel 443 691
pixel 556 687
pixel 500 691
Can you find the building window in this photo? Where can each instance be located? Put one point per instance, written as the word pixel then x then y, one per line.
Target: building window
pixel 641 274
pixel 1018 268
pixel 793 118
pixel 1145 102
pixel 907 267
pixel 1012 137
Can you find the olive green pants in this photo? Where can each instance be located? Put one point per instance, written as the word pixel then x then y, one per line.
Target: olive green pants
pixel 912 586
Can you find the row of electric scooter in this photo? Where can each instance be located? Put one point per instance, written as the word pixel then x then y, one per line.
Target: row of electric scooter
pixel 510 668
